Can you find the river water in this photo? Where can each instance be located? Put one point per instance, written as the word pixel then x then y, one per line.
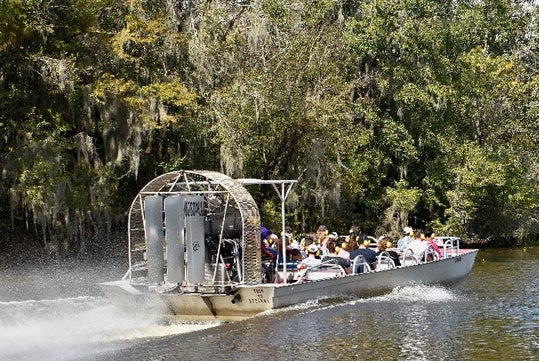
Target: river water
pixel 55 312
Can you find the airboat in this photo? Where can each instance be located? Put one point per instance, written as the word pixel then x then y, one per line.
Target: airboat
pixel 194 252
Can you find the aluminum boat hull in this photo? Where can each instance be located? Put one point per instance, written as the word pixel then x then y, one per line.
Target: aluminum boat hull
pixel 249 300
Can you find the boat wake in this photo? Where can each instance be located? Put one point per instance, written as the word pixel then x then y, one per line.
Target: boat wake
pixel 69 328
pixel 416 294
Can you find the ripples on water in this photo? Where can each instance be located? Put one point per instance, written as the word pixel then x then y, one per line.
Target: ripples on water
pixel 492 315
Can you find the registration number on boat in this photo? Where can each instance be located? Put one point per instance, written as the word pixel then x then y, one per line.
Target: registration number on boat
pixel 259 293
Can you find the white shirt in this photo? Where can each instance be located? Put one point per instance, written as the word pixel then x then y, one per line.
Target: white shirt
pixel 418 247
pixel 311 262
pixel 403 242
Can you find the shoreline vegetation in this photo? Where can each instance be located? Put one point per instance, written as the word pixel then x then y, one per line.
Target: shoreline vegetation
pixel 28 249
pixel 389 114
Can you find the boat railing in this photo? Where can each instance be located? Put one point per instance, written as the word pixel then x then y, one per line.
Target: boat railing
pixel 360 265
pixel 384 262
pixel 291 271
pixel 290 266
pixel 430 255
pixel 409 256
pixel 324 270
pixel 450 246
pixel 127 275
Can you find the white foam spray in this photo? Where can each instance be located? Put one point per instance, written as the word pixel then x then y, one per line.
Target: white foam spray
pixel 68 328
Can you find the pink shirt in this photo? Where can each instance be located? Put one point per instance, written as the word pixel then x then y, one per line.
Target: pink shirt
pixel 435 247
pixel 343 254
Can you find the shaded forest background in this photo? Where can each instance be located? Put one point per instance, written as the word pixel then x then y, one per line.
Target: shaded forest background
pixel 390 113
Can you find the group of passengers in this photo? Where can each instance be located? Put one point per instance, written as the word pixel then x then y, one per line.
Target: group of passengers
pixel 321 246
pixel 420 243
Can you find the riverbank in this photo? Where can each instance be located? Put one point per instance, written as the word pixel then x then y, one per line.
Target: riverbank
pixel 22 246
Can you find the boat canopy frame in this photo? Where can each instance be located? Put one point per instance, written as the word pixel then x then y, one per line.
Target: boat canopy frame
pixel 217 188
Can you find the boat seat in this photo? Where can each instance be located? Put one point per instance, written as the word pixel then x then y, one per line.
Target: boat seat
pixel 408 257
pixel 327 269
pixel 431 255
pixel 384 262
pixel 290 266
pixel 339 260
pixel 360 265
pixel 291 271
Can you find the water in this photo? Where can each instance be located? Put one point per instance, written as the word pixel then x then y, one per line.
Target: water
pixel 493 314
pixel 55 311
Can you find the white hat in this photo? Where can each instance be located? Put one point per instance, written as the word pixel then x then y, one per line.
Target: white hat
pixel 407 229
pixel 313 248
pixel 295 245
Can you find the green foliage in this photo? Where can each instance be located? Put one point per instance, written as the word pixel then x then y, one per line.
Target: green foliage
pixel 485 194
pixel 158 105
pixel 403 198
pixel 389 113
pixel 12 24
pixel 282 111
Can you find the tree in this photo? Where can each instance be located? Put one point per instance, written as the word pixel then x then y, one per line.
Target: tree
pixel 41 101
pixel 420 99
pixel 277 94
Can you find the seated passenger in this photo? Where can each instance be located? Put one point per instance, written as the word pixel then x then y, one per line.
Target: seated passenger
pixel 384 245
pixel 322 246
pixel 403 242
pixel 343 251
pixel 418 246
pixel 357 234
pixel 429 238
pixel 332 255
pixel 306 242
pixel 365 251
pixel 295 255
pixel 291 241
pixel 268 252
pixel 321 233
pixel 312 259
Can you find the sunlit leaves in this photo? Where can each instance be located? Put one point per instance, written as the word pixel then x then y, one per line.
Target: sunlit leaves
pixel 173 94
pixel 401 197
pixel 490 96
pixel 172 100
pixel 487 191
pixel 442 74
pixel 383 109
pixel 138 37
pixel 12 24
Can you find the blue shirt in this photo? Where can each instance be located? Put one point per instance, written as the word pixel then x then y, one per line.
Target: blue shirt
pixel 404 242
pixel 369 254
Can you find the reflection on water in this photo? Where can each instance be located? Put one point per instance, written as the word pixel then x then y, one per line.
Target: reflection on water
pixel 504 322
pixel 493 314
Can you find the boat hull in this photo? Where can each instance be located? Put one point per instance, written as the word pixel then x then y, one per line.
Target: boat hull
pixel 248 300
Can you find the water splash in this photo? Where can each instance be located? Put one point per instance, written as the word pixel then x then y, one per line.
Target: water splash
pixel 415 293
pixel 67 328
